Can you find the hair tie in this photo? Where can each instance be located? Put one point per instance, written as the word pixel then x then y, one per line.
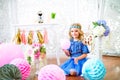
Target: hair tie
pixel 75 27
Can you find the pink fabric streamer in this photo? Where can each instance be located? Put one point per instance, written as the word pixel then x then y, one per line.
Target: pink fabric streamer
pixel 23 37
pixel 45 36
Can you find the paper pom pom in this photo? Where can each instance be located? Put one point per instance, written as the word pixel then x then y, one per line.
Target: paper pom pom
pixel 10 72
pixel 93 69
pixel 51 72
pixel 7 49
pixel 23 66
pixel 65 44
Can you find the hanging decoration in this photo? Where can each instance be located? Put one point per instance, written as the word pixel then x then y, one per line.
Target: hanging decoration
pixel 30 38
pixel 45 36
pixel 23 38
pixel 40 37
pixel 17 37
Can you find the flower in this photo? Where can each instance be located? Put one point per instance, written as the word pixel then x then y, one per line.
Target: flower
pixel 98 31
pixel 100 28
pixel 36 51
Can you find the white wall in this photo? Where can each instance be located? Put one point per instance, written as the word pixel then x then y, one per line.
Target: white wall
pixel 67 12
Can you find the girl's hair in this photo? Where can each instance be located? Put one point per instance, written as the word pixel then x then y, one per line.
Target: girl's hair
pixel 78 26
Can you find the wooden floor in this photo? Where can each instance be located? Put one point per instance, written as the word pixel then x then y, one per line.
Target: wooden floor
pixel 112 65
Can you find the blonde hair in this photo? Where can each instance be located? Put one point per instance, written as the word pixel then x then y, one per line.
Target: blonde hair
pixel 78 26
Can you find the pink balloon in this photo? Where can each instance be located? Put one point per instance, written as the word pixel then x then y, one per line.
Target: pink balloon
pixel 23 66
pixel 65 44
pixel 8 52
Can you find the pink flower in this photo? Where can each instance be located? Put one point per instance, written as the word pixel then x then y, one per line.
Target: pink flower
pixel 37 55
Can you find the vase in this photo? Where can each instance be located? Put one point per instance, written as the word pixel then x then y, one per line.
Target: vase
pixel 37 65
pixel 97 50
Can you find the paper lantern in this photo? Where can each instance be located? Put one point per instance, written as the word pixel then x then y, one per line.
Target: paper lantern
pixel 65 43
pixel 93 69
pixel 51 72
pixel 23 66
pixel 10 72
pixel 8 52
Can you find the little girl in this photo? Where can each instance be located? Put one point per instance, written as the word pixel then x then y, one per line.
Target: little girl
pixel 77 52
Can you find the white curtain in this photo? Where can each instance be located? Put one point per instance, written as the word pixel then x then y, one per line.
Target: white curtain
pixel 67 12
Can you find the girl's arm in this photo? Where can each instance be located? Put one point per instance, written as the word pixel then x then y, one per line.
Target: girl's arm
pixel 80 57
pixel 66 52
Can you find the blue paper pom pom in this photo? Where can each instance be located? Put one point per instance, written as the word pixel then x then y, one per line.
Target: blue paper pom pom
pixel 93 69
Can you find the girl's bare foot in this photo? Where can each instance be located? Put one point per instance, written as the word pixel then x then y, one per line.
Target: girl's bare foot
pixel 73 72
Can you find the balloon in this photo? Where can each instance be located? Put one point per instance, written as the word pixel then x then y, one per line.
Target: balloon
pixel 65 44
pixel 51 72
pixel 23 66
pixel 8 52
pixel 93 69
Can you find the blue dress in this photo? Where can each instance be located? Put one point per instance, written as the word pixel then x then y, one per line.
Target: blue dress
pixel 77 48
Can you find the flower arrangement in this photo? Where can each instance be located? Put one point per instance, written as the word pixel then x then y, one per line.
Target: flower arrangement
pixel 100 28
pixel 36 51
pixel 39 51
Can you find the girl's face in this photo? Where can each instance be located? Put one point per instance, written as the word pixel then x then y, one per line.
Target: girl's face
pixel 74 33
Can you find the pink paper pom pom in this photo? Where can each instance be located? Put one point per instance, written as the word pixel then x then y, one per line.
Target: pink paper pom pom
pixel 65 43
pixel 23 66
pixel 14 50
pixel 51 72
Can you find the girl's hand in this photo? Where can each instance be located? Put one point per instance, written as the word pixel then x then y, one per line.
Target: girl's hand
pixel 66 52
pixel 76 60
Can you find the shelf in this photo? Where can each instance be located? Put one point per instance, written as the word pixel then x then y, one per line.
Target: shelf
pixel 32 24
pixel 53 33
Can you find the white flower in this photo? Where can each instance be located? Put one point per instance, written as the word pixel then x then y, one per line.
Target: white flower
pixel 98 31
